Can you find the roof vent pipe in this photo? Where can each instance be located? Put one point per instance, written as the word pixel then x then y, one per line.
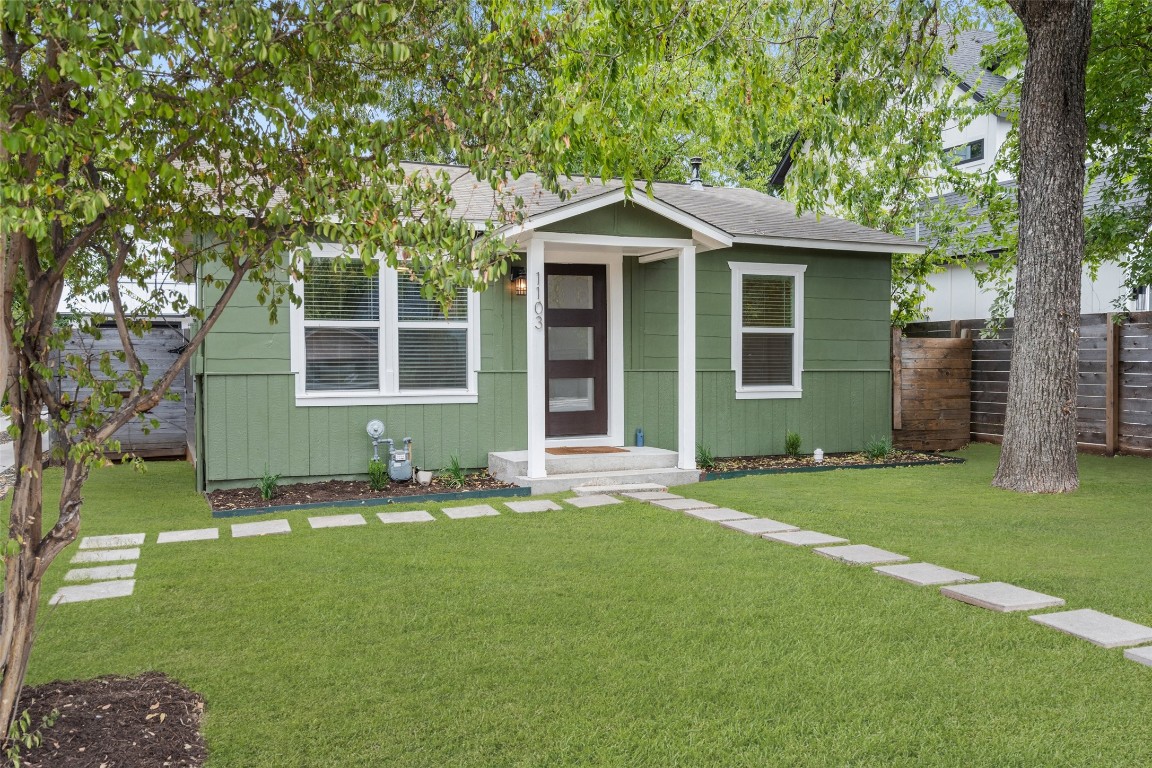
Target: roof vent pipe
pixel 694 180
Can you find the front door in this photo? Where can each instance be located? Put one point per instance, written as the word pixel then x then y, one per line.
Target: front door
pixel 576 340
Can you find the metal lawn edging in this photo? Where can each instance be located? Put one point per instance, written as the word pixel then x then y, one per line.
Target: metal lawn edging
pixel 486 493
pixel 708 476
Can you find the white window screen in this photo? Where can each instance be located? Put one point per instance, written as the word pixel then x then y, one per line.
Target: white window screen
pixel 376 334
pixel 767 328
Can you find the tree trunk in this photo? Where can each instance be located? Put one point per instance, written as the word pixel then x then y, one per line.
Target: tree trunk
pixel 1039 451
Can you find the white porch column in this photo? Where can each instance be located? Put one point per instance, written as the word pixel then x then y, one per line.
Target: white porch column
pixel 535 400
pixel 686 370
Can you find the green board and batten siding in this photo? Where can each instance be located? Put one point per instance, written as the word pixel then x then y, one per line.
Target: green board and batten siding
pixel 250 421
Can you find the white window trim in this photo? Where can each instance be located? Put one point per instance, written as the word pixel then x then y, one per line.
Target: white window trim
pixel 389 323
pixel 795 271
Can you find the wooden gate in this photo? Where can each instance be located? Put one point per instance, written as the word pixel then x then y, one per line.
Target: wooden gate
pixel 931 393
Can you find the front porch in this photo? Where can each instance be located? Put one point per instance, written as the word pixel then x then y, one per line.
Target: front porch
pixel 631 466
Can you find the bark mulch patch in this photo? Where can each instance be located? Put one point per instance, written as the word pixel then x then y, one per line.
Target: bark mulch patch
pixel 342 490
pixel 899 458
pixel 148 721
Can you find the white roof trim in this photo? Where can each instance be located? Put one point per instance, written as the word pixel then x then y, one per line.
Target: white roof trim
pixel 707 233
pixel 832 245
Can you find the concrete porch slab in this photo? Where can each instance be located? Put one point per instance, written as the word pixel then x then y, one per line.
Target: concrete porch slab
pixel 1097 628
pixel 198 534
pixel 101 573
pixel 263 528
pixel 587 502
pixel 413 516
pixel 337 521
pixel 861 554
pixel 619 488
pixel 106 555
pixel 718 514
pixel 100 590
pixel 758 526
pixel 112 542
pixel 804 538
pixel 474 510
pixel 1002 597
pixel 925 574
pixel 683 505
pixel 542 505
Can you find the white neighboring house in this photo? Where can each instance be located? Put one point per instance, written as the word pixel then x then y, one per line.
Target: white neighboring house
pixel 956 294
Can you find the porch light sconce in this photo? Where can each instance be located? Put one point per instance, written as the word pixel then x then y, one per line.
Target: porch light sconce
pixel 518 278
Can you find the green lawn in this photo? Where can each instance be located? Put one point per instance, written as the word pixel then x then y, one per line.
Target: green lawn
pixel 634 636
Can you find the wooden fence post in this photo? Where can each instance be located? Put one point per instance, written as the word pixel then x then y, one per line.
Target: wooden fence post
pixel 1112 386
pixel 897 380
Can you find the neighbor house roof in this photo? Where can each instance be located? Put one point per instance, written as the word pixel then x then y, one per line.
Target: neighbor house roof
pixel 964 63
pixel 742 215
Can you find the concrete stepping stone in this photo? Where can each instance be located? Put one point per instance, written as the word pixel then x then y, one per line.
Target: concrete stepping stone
pixel 925 574
pixel 476 510
pixel 719 514
pixel 861 554
pixel 650 495
pixel 589 490
pixel 1097 628
pixel 412 516
pixel 107 555
pixel 683 505
pixel 102 573
pixel 1140 655
pixel 541 505
pixel 804 538
pixel 758 526
pixel 112 542
pixel 337 521
pixel 263 528
pixel 598 500
pixel 198 534
pixel 999 596
pixel 99 590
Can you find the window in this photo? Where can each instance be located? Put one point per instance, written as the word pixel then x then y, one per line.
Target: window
pixel 967 153
pixel 767 329
pixel 362 339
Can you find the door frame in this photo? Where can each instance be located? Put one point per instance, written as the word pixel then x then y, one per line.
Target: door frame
pixel 613 259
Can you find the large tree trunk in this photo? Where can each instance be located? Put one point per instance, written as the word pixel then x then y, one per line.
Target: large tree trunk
pixel 1039 452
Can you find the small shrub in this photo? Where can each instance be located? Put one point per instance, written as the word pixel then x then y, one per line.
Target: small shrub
pixel 704 457
pixel 267 484
pixel 454 475
pixel 21 736
pixel 377 474
pixel 879 448
pixel 792 442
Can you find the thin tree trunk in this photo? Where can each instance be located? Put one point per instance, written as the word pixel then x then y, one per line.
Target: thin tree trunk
pixel 1039 451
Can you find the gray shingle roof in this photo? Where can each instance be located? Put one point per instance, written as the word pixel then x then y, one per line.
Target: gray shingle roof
pixel 963 61
pixel 738 212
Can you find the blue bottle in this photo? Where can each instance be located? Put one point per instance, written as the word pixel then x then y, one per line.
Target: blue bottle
pixel 639 437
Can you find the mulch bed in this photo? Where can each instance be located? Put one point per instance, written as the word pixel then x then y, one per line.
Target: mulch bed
pixel 739 463
pixel 341 490
pixel 148 721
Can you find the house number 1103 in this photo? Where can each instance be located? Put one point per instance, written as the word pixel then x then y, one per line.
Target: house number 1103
pixel 538 307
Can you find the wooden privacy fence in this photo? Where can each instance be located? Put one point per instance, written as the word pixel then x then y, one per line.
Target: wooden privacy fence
pixel 930 392
pixel 1114 384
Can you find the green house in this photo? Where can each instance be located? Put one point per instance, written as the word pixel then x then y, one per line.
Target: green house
pixel 699 315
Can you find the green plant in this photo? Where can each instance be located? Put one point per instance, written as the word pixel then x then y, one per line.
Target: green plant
pixel 21 735
pixel 879 448
pixel 454 475
pixel 792 444
pixel 267 484
pixel 704 457
pixel 377 474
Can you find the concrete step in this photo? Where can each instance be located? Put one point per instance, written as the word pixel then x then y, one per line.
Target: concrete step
pixel 592 490
pixel 507 465
pixel 569 481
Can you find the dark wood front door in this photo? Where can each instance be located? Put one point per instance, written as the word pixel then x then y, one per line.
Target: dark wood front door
pixel 576 344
